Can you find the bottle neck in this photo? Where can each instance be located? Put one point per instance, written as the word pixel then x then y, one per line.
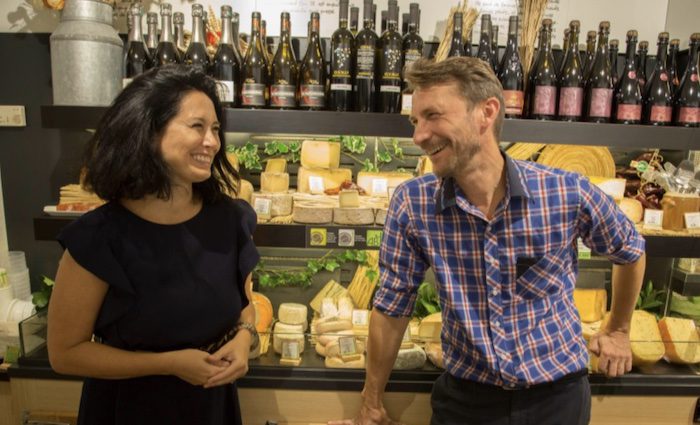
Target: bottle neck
pixel 167 35
pixel 135 32
pixel 197 30
pixel 573 42
pixel 661 56
pixel 629 55
pixel 343 23
pixel 545 41
pixel 693 59
pixel 391 25
pixel 152 39
pixel 284 33
pixel 602 44
pixel 226 31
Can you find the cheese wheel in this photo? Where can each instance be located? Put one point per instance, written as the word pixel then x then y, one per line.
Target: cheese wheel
pixel 317 180
pixel 274 182
pixel 263 312
pixel 430 327
pixel 410 358
pixel 276 165
pixel 293 313
pixel 333 326
pixel 320 349
pixel 591 304
pixel 333 348
pixel 320 154
pixel 380 216
pixel 632 208
pixel 345 308
pixel 434 352
pixel 311 213
pixel 284 332
pixel 353 216
pixel 378 184
pixel 337 362
pixel 268 205
pixel 331 337
pixel 233 159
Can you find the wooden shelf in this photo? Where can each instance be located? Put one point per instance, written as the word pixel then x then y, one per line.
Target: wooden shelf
pixel 395 125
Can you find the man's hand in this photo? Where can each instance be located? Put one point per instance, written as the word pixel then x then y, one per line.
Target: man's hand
pixel 368 416
pixel 613 351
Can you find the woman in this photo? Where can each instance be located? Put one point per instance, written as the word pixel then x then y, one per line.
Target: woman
pixel 160 274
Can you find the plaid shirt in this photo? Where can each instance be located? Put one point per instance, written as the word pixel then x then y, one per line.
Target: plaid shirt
pixel 506 284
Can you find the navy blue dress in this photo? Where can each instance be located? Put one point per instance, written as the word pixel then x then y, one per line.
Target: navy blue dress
pixel 170 287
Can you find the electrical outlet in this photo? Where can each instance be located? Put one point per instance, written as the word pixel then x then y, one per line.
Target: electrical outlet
pixel 12 116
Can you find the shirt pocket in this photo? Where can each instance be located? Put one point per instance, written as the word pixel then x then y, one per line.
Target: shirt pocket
pixel 540 277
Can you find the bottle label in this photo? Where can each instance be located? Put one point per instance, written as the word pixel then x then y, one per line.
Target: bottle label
pixel 411 56
pixel 283 96
pixel 225 90
pixel 545 100
pixel 365 62
pixel 660 114
pixel 514 101
pixel 629 112
pixel 253 94
pixel 601 103
pixel 341 87
pixel 312 95
pixel 570 101
pixel 689 115
pixel 341 62
pixel 390 89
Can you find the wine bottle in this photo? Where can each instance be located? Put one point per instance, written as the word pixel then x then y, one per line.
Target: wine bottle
pixel 494 48
pixel 354 19
pixel 366 42
pixel 542 88
pixel 457 46
pixel 196 54
pixel 687 98
pixel 571 82
pixel 468 43
pixel 564 51
pixel 285 72
pixel 374 18
pixel 672 64
pixel 510 73
pixel 312 73
pixel 485 50
pixel 590 53
pixel 390 64
pixel 627 100
pixel 384 19
pixel 225 67
pixel 136 61
pixel 412 42
pixel 152 36
pixel 342 59
pixel 658 108
pixel 235 43
pixel 179 21
pixel 166 51
pixel 405 18
pixel 263 37
pixel 614 49
pixel 642 64
pixel 597 103
pixel 254 78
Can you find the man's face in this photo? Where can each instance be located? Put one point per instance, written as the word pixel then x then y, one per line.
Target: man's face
pixel 444 128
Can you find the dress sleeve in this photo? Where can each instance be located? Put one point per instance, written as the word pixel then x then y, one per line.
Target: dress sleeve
pixel 88 242
pixel 248 255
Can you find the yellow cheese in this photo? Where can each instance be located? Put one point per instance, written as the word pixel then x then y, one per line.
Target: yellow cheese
pixel 274 182
pixel 632 208
pixel 317 180
pixel 312 213
pixel 276 165
pixel 233 159
pixel 613 187
pixel 378 184
pixel 349 199
pixel 245 191
pixel 591 304
pixel 430 327
pixel 425 165
pixel 268 205
pixel 332 289
pixel 353 216
pixel 320 154
pixel 681 340
pixel 380 216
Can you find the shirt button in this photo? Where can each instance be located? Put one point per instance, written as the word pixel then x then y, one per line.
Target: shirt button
pixel 495 292
pixel 496 325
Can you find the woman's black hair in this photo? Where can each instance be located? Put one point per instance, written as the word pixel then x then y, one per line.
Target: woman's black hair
pixel 123 159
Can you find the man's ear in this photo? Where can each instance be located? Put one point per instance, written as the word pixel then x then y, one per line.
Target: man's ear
pixel 491 108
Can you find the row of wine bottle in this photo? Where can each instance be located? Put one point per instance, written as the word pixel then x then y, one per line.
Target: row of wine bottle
pixel 365 71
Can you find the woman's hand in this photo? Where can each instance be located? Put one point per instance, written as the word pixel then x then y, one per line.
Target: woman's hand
pixel 234 357
pixel 194 366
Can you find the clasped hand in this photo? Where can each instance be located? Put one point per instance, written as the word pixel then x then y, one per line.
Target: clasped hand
pixel 226 365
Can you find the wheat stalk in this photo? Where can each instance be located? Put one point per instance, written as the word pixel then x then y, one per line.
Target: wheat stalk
pixel 469 15
pixel 532 12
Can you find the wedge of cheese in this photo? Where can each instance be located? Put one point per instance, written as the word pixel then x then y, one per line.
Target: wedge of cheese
pixel 268 205
pixel 349 199
pixel 317 180
pixel 292 313
pixel 320 154
pixel 378 184
pixel 274 182
pixel 337 362
pixel 615 188
pixel 681 340
pixel 430 327
pixel 591 304
pixel 332 289
pixel 263 312
pixel 276 165
pixel 233 159
pixel 245 191
pixel 410 358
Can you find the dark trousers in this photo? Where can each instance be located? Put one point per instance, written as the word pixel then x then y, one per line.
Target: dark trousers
pixel 459 402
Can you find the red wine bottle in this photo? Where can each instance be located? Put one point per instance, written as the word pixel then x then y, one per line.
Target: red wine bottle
pixel 225 66
pixel 342 59
pixel 672 64
pixel 510 73
pixel 485 50
pixel 390 63
pixel 366 42
pixel 542 84
pixel 354 19
pixel 254 78
pixel 658 108
pixel 687 99
pixel 457 45
pixel 642 64
pixel 412 45
pixel 598 93
pixel 285 73
pixel 627 100
pixel 571 82
pixel 312 73
pixel 614 49
pixel 494 48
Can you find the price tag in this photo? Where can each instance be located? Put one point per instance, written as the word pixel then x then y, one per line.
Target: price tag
pixel 262 207
pixel 316 184
pixel 360 317
pixel 347 345
pixel 380 186
pixel 653 219
pixel 692 220
pixel 584 252
pixel 406 103
pixel 290 349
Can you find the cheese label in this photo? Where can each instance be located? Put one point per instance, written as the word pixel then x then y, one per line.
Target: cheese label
pixel 290 350
pixel 347 345
pixel 262 206
pixel 692 220
pixel 584 252
pixel 380 186
pixel 360 317
pixel 653 219
pixel 346 237
pixel 316 184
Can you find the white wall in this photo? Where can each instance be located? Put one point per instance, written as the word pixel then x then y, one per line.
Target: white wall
pixel 649 17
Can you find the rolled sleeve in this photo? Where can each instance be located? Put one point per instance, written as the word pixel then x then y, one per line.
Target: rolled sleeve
pixel 605 229
pixel 402 265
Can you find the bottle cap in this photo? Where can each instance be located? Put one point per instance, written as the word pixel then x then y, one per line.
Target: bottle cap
pixel 226 11
pixel 197 10
pixel 166 9
pixel 632 34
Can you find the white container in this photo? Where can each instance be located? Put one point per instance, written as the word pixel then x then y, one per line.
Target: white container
pixel 17 261
pixel 20 283
pixel 6 298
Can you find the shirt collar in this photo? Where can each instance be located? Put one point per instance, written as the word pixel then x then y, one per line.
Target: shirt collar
pixel 445 196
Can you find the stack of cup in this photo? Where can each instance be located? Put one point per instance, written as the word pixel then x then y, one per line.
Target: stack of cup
pixel 6 295
pixel 18 275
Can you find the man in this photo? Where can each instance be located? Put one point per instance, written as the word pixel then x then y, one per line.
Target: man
pixel 500 236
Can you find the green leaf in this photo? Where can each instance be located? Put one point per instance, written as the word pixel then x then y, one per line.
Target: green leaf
pixel 371 275
pixel 368 165
pixel 40 299
pixel 331 265
pixel 384 157
pixel 47 281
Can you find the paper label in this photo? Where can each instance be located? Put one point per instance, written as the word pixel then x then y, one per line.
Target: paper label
pixel 570 101
pixel 341 87
pixel 689 115
pixel 545 100
pixel 360 317
pixel 629 112
pixel 601 103
pixel 380 186
pixel 660 114
pixel 390 89
pixel 584 252
pixel 347 345
pixel 262 206
pixel 316 184
pixel 346 237
pixel 312 95
pixel 253 94
pixel 406 103
pixel 290 350
pixel 692 220
pixel 653 219
pixel 283 96
pixel 514 101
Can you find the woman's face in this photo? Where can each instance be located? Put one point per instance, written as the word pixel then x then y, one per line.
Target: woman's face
pixel 190 140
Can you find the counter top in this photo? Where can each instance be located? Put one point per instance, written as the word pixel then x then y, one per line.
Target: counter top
pixel 658 379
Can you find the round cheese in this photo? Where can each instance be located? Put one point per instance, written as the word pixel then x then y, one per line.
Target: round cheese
pixel 337 362
pixel 310 213
pixel 410 358
pixel 292 313
pixel 380 216
pixel 353 216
